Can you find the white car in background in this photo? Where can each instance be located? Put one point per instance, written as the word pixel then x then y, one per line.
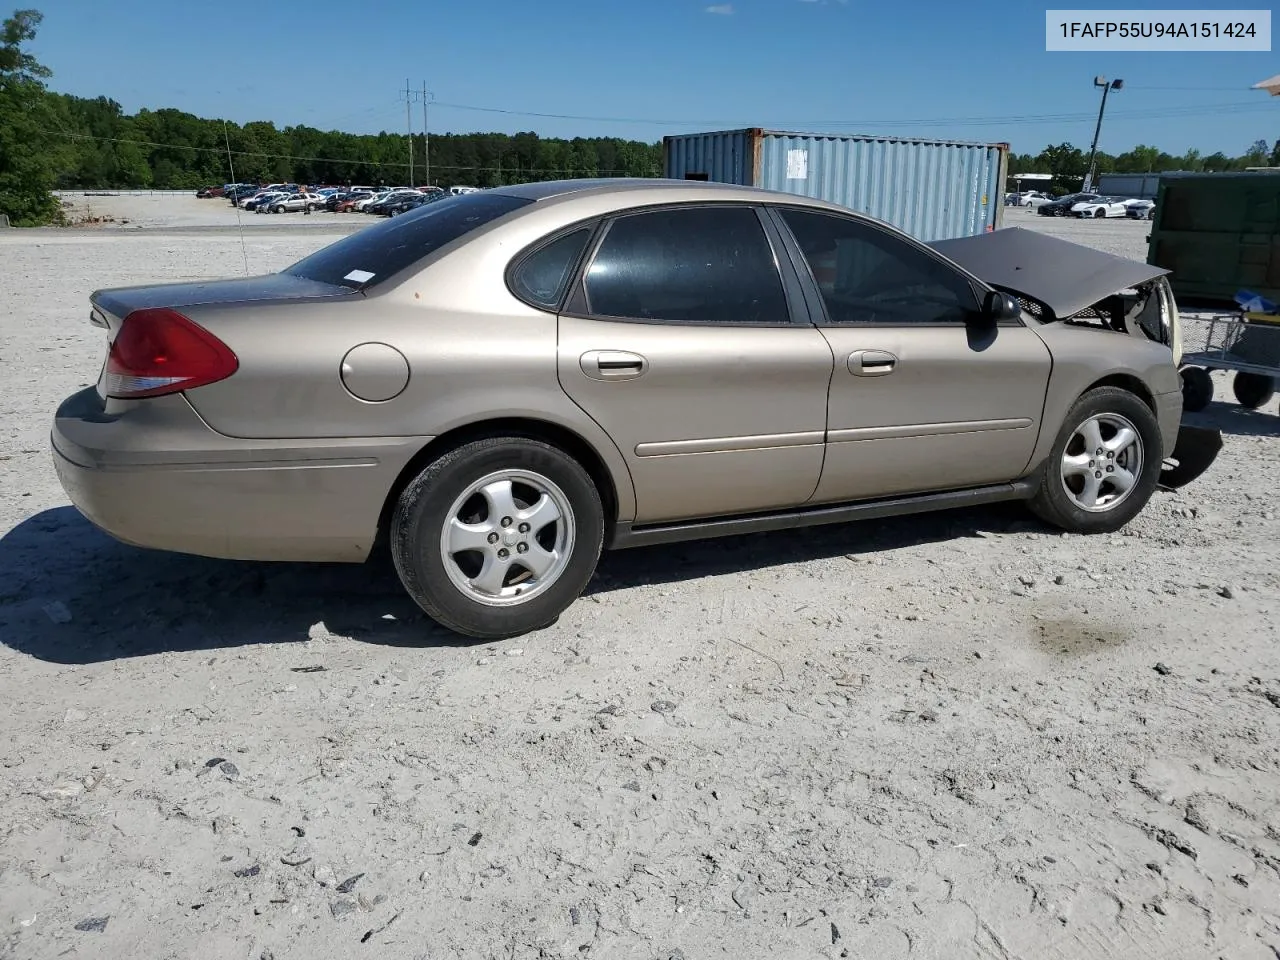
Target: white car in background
pixel 1036 201
pixel 1025 198
pixel 1101 207
pixel 1140 209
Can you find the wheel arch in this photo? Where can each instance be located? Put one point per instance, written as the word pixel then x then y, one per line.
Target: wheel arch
pixel 1059 402
pixel 558 435
pixel 1125 381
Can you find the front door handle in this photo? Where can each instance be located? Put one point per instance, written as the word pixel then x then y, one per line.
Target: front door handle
pixel 612 364
pixel 872 363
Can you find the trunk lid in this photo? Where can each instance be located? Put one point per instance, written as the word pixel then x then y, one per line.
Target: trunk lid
pixel 109 307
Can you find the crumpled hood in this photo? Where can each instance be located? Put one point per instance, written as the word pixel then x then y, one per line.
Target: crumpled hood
pixel 1066 277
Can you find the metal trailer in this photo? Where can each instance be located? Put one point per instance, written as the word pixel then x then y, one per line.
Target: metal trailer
pixel 1247 344
pixel 931 189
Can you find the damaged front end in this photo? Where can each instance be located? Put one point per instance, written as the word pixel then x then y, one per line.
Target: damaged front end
pixel 1057 281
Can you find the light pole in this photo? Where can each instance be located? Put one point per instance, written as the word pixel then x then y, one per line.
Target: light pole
pixel 1093 150
pixel 427 97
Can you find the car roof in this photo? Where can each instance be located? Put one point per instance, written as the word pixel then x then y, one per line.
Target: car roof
pixel 630 186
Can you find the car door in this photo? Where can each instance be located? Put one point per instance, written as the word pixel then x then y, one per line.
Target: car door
pixel 923 398
pixel 680 341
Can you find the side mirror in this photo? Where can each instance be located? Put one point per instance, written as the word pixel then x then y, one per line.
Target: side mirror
pixel 1000 306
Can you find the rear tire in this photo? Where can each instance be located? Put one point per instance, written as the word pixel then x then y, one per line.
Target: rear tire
pixel 1253 390
pixel 1104 465
pixel 1197 389
pixel 466 567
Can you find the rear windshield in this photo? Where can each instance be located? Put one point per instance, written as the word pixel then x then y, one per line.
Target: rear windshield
pixel 365 259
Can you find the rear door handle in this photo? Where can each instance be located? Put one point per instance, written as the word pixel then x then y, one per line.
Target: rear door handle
pixel 872 363
pixel 612 364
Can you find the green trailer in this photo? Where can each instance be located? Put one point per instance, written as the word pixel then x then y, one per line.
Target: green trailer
pixel 1218 233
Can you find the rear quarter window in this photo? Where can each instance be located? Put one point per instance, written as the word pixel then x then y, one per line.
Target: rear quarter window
pixel 366 259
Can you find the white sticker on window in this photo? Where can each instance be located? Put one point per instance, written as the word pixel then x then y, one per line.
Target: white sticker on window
pixel 797 164
pixel 359 276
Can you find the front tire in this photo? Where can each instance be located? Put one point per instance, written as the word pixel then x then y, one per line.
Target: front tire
pixel 1104 465
pixel 1197 389
pixel 498 537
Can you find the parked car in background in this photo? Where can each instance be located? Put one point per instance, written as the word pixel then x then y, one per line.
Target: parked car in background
pixel 1140 209
pixel 205 193
pixel 366 206
pixel 332 200
pixel 372 198
pixel 1100 207
pixel 376 205
pixel 259 202
pixel 1035 203
pixel 1025 198
pixel 394 206
pixel 294 202
pixel 242 192
pixel 459 191
pixel 349 202
pixel 1062 206
pixel 1007 366
pixel 380 206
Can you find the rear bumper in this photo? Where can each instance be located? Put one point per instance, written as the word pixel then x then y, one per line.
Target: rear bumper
pixel 157 476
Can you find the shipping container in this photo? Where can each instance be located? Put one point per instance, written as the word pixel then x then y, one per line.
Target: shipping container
pixel 1218 233
pixel 931 189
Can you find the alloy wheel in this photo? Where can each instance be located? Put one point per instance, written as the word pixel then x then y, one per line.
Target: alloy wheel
pixel 1102 462
pixel 507 537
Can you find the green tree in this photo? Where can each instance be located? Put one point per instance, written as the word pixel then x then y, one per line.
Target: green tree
pixel 1256 155
pixel 1067 164
pixel 27 157
pixel 1190 160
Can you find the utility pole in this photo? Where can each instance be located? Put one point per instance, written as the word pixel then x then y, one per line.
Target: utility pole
pixel 1093 150
pixel 408 116
pixel 426 137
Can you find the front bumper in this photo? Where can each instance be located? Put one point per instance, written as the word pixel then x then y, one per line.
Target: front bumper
pixel 1189 451
pixel 1168 408
pixel 158 476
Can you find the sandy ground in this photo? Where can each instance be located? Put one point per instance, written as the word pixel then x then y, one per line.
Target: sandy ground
pixel 958 736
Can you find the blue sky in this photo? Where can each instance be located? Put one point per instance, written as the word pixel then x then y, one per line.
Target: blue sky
pixel 939 68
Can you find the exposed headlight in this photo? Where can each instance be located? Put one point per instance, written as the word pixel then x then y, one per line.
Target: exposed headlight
pixel 1171 320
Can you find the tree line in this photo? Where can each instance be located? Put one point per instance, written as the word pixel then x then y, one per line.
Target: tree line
pixel 52 141
pixel 1069 164
pixel 170 149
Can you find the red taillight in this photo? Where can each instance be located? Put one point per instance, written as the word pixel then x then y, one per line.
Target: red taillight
pixel 160 351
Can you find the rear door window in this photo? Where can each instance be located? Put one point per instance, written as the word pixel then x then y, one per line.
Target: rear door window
pixel 708 264
pixel 365 259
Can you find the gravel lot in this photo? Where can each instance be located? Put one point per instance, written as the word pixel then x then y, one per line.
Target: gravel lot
pixel 958 736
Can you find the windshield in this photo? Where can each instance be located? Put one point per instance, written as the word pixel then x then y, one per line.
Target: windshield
pixel 365 259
